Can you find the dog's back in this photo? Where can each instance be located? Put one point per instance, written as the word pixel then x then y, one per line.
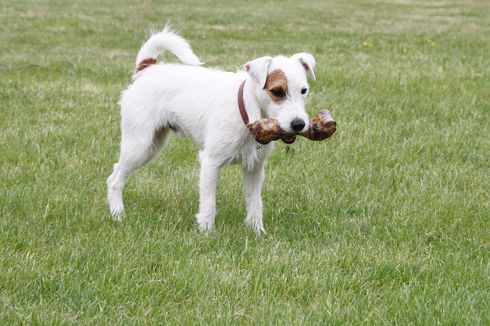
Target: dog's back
pixel 184 97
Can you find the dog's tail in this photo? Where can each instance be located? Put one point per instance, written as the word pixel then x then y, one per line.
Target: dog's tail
pixel 165 40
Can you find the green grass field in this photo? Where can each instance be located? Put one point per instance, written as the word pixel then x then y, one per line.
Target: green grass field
pixel 386 222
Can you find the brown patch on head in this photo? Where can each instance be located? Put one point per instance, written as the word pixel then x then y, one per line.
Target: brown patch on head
pixel 276 85
pixel 145 64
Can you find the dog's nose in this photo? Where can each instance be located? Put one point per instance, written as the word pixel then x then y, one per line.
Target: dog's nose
pixel 297 124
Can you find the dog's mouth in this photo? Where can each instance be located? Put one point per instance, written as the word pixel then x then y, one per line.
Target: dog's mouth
pixel 266 130
pixel 289 138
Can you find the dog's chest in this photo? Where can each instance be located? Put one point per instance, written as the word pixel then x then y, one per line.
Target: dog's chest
pixel 251 154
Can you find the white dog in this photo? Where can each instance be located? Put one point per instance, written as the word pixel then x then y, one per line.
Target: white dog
pixel 203 104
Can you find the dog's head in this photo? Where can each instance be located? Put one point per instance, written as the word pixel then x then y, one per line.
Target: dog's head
pixel 282 88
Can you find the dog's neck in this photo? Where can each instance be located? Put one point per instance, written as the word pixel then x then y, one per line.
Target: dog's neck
pixel 251 102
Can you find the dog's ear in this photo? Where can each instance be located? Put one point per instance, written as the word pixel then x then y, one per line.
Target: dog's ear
pixel 307 61
pixel 258 69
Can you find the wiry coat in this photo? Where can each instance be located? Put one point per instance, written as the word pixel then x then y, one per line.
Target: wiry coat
pixel 201 103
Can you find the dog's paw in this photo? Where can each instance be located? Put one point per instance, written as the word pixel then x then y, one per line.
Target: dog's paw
pixel 256 225
pixel 117 215
pixel 206 226
pixel 205 222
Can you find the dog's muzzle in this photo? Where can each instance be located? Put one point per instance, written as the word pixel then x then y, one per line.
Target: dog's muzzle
pixel 266 130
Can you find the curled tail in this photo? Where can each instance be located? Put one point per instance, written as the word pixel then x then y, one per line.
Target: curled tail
pixel 165 40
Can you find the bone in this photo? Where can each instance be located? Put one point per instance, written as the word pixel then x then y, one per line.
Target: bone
pixel 266 130
pixel 322 127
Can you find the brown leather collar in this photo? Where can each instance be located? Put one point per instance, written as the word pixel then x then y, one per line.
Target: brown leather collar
pixel 241 104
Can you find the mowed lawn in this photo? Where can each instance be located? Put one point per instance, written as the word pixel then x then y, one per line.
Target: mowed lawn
pixel 386 222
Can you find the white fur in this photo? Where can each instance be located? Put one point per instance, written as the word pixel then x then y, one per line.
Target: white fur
pixel 201 103
pixel 167 40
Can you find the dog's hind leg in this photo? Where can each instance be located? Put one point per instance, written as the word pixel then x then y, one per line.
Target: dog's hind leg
pixel 208 180
pixel 252 186
pixel 135 152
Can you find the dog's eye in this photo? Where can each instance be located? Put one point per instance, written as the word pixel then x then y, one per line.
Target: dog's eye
pixel 278 92
pixel 304 90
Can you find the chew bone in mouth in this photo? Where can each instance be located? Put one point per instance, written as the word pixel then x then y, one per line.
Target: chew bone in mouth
pixel 319 128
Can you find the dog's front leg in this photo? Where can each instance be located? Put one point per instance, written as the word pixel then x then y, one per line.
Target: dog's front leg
pixel 207 192
pixel 252 184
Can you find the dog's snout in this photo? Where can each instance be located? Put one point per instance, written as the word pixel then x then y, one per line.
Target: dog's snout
pixel 297 124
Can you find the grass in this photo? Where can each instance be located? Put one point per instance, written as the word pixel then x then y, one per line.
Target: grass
pixel 386 222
